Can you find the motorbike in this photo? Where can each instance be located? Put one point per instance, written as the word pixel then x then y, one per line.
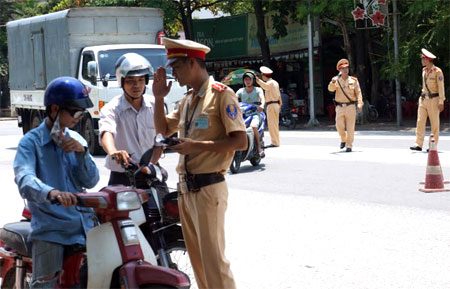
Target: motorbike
pixel 251 153
pixel 162 228
pixel 117 253
pixel 288 118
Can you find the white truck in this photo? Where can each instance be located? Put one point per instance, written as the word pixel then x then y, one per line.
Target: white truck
pixel 83 43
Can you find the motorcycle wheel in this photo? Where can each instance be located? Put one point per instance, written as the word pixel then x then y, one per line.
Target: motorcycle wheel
pixel 236 163
pixel 179 260
pixel 291 122
pixel 372 114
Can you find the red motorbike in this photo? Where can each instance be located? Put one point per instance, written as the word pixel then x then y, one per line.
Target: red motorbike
pixel 118 254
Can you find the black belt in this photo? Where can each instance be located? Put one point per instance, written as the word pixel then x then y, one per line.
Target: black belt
pixel 270 102
pixel 429 95
pixel 345 103
pixel 195 182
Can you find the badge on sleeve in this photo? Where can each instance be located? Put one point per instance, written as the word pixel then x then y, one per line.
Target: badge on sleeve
pixel 440 78
pixel 232 111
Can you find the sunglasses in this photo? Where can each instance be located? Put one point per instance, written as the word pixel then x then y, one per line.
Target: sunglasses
pixel 75 113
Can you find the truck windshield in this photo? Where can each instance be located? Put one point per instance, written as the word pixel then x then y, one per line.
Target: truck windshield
pixel 107 60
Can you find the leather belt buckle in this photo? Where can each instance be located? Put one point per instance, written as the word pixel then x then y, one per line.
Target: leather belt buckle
pixel 344 105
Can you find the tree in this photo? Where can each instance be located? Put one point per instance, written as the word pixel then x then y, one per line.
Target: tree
pixel 423 24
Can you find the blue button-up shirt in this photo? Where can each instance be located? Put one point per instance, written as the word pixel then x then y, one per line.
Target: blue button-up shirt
pixel 41 166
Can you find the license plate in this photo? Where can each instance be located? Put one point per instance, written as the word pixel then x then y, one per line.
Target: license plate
pixel 294 115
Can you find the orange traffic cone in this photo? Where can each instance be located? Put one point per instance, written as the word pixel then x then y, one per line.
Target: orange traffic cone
pixel 434 180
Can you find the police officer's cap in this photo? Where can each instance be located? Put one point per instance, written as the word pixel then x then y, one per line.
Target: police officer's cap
pixel 342 63
pixel 265 70
pixel 427 54
pixel 184 48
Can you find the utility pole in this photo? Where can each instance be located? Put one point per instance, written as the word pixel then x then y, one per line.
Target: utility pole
pixel 398 99
pixel 312 118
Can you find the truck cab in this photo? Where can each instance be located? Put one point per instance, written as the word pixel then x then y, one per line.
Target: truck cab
pixel 97 73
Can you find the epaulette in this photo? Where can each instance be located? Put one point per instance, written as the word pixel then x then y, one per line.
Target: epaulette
pixel 354 77
pixel 424 69
pixel 436 69
pixel 220 87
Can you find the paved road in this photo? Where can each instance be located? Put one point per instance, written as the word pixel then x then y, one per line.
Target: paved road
pixel 313 217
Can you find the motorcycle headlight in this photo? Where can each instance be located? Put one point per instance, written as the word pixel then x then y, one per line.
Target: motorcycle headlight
pixel 128 201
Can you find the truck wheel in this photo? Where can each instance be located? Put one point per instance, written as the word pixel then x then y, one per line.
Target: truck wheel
pixel 25 114
pixel 35 119
pixel 87 131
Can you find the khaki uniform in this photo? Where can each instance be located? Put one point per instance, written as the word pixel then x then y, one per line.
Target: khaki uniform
pixel 272 93
pixel 429 106
pixel 202 213
pixel 345 112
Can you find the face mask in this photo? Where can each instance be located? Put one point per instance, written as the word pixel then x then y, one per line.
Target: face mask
pixel 55 133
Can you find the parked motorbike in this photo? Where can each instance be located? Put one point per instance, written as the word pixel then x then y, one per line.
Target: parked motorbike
pixel 118 255
pixel 288 118
pixel 162 228
pixel 251 153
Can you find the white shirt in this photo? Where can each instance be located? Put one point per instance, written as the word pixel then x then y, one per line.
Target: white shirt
pixel 133 131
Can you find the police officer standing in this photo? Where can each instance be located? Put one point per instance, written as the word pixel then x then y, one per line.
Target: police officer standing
pixel 348 97
pixel 273 103
pixel 431 101
pixel 211 128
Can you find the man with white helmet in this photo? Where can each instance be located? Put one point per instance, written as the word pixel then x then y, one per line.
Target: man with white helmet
pixel 126 126
pixel 431 101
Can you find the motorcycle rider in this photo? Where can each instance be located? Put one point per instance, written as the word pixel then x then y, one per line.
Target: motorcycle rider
pixel 53 162
pixel 253 95
pixel 126 122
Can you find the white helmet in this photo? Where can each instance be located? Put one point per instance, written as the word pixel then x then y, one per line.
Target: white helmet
pixel 132 64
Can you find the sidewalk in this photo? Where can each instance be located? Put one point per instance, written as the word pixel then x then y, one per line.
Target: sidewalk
pixel 408 125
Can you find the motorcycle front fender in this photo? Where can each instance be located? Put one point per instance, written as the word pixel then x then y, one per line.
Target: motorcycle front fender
pixel 104 254
pixel 135 274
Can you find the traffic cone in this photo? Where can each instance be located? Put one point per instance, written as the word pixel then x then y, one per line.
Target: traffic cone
pixel 434 180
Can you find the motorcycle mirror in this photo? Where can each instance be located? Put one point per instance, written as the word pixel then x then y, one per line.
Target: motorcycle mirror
pixel 146 157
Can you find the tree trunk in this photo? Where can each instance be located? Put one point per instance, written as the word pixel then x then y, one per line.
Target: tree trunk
pixel 261 33
pixel 373 68
pixel 347 44
pixel 184 8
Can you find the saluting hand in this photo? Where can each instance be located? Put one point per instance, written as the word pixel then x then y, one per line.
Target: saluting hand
pixel 159 87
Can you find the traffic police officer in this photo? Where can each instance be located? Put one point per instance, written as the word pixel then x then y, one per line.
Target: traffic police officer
pixel 348 97
pixel 211 128
pixel 431 101
pixel 273 103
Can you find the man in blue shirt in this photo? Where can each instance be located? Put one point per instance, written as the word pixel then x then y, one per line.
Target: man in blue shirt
pixel 52 162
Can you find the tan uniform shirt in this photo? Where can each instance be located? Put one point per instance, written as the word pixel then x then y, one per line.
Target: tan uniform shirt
pixel 435 81
pixel 272 90
pixel 351 88
pixel 216 115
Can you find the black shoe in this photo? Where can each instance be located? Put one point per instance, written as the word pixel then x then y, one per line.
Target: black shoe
pixel 428 150
pixel 416 148
pixel 342 145
pixel 348 150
